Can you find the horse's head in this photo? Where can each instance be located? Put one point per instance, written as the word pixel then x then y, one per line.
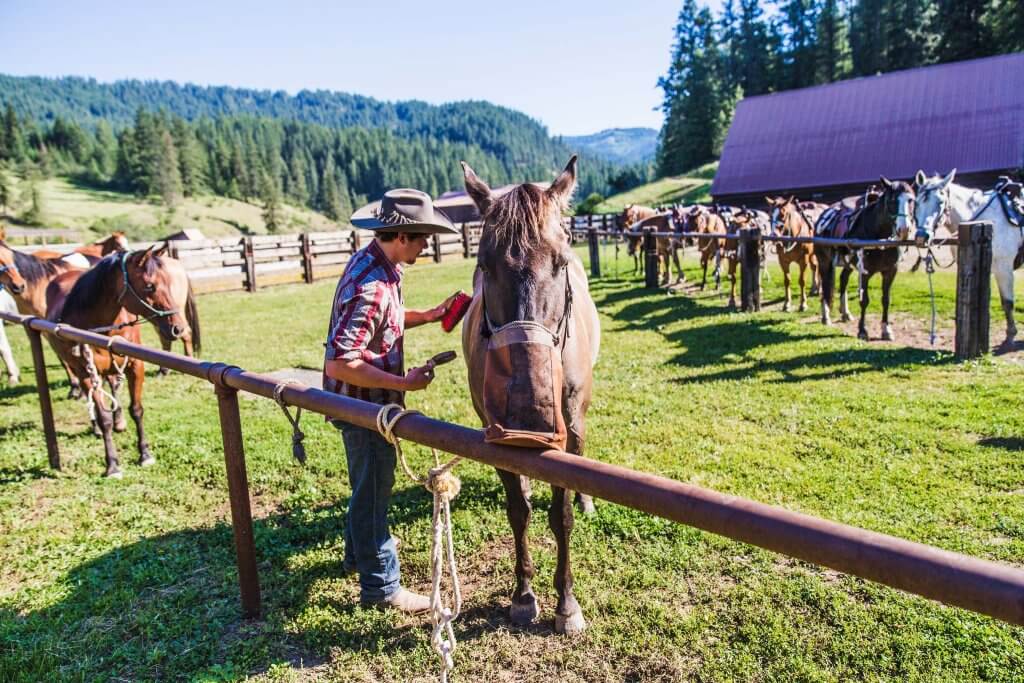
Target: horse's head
pixel 147 290
pixel 10 276
pixel 898 201
pixel 778 213
pixel 931 209
pixel 116 241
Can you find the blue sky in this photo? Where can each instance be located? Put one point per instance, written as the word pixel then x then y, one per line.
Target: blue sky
pixel 576 66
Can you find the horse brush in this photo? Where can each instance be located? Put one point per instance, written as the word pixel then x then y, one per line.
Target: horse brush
pixel 456 310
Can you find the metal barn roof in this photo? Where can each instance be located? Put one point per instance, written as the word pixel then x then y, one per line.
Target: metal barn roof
pixel 968 115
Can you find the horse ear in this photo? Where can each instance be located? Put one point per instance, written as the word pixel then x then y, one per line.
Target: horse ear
pixel 162 250
pixel 561 190
pixel 949 178
pixel 885 181
pixel 920 178
pixel 477 189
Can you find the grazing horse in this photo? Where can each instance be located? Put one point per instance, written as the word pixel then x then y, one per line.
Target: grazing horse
pixel 531 338
pixel 26 278
pixel 703 220
pixel 940 200
pixel 795 219
pixel 7 305
pixel 115 241
pixel 885 216
pixel 111 298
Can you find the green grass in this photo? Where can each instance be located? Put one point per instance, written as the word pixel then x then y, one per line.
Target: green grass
pixel 94 213
pixel 688 188
pixel 135 579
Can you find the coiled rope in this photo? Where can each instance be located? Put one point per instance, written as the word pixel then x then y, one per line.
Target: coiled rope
pixel 444 485
pixel 298 449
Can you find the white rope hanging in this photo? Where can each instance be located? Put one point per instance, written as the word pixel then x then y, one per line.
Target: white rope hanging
pixel 444 485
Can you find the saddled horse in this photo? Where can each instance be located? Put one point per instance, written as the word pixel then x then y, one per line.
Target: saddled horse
pixel 531 338
pixel 115 241
pixel 940 200
pixel 635 218
pixel 745 218
pixel 112 298
pixel 699 218
pixel 885 216
pixel 792 218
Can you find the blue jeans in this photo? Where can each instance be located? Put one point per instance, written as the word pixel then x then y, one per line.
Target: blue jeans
pixel 369 548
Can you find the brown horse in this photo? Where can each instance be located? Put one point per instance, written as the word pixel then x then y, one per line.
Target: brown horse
pixel 183 300
pixel 118 290
pixel 701 219
pixel 635 218
pixel 115 241
pixel 532 318
pixel 795 219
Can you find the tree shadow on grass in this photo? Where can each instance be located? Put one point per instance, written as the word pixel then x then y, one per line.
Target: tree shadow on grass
pixel 168 606
pixel 1010 443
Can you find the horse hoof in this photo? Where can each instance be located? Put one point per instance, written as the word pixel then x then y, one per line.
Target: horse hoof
pixel 163 372
pixel 114 474
pixel 120 425
pixel 803 307
pixel 525 612
pixel 96 431
pixel 887 335
pixel 570 625
pixel 845 318
pixel 785 307
pixel 586 504
pixel 147 460
pixel 13 380
pixel 862 334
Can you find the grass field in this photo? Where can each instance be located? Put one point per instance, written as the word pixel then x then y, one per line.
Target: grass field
pixel 135 579
pixel 95 213
pixel 690 188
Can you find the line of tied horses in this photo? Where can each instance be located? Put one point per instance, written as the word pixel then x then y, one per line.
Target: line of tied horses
pixel 107 288
pixel 887 211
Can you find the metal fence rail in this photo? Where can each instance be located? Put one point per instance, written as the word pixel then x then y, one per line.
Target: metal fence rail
pixel 979 585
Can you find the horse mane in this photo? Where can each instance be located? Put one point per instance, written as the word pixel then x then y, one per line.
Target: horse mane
pixel 33 269
pixel 517 220
pixel 91 285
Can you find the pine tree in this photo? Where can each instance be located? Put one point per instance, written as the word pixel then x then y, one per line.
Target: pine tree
pixel 1007 21
pixel 166 176
pixel 271 195
pixel 754 55
pixel 962 30
pixel 833 53
pixel 190 157
pixel 909 42
pixel 868 38
pixel 800 20
pixel 32 198
pixel 6 192
pixel 104 152
pixel 13 137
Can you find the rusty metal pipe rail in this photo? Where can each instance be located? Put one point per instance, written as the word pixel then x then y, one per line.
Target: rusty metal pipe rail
pixel 979 585
pixel 785 239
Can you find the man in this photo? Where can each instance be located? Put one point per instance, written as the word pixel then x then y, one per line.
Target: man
pixel 364 360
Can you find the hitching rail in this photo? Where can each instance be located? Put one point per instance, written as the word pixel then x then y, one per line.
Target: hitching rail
pixel 986 587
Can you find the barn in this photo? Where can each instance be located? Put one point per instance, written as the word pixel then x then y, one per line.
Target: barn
pixel 829 141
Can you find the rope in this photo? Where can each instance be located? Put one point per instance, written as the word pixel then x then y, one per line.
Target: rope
pixel 929 267
pixel 298 449
pixel 444 485
pixel 97 383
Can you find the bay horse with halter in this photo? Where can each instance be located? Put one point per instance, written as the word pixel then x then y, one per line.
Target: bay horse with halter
pixel 793 218
pixel 884 215
pixel 117 294
pixel 184 300
pixel 531 338
pixel 940 201
pixel 636 218
pixel 701 219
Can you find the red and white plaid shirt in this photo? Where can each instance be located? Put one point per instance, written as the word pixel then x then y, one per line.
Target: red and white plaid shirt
pixel 368 322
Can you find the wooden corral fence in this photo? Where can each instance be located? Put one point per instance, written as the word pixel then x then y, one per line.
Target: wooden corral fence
pixel 979 585
pixel 974 268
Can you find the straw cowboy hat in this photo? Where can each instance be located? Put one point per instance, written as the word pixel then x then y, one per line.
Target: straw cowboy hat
pixel 403 210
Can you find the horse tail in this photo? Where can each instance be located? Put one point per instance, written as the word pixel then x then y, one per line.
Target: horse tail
pixel 192 318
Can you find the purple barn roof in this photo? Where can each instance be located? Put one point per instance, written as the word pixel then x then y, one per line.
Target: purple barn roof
pixel 968 115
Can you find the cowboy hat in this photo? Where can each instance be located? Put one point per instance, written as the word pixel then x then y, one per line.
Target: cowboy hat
pixel 403 210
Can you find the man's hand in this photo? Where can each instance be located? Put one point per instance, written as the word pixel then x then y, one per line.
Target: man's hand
pixel 419 378
pixel 437 312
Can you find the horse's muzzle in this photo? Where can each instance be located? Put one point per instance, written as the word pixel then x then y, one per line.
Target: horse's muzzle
pixel 177 331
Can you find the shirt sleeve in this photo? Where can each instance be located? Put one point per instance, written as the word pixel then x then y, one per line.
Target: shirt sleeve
pixel 357 321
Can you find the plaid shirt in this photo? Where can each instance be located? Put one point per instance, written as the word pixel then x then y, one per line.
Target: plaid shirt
pixel 368 322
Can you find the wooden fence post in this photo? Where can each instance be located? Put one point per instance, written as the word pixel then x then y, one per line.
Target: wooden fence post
pixel 238 491
pixel 650 259
pixel 436 240
pixel 355 241
pixel 465 241
pixel 307 258
pixel 750 269
pixel 250 265
pixel 595 253
pixel 973 290
pixel 43 388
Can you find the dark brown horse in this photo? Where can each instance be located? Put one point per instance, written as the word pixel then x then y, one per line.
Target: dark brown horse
pixel 531 338
pixel 793 218
pixel 888 216
pixel 122 289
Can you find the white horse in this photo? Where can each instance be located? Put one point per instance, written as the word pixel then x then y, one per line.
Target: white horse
pixel 7 305
pixel 940 200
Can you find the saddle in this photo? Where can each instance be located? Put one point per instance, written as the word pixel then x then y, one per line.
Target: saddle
pixel 1010 195
pixel 837 219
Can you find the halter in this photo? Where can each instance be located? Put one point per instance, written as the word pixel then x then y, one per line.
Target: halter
pixel 4 269
pixel 561 331
pixel 157 313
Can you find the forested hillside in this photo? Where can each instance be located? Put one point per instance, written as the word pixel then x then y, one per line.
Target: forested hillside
pixel 622 145
pixel 752 48
pixel 326 151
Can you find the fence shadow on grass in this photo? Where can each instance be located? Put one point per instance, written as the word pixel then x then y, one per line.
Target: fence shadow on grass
pixel 167 606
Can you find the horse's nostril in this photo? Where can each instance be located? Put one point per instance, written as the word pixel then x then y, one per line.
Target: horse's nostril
pixel 177 332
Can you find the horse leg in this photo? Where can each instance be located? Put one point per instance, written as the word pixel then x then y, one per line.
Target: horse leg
pixel 106 426
pixel 75 390
pixel 680 275
pixel 1003 270
pixel 844 284
pixel 803 284
pixel 785 283
pixel 815 276
pixel 827 274
pixel 887 280
pixel 732 282
pixel 120 424
pixel 704 258
pixel 136 373
pixel 568 615
pixel 166 344
pixel 862 330
pixel 517 507
pixel 8 357
pixel 663 262
pixel 718 270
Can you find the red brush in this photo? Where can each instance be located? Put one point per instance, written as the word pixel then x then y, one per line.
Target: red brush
pixel 457 309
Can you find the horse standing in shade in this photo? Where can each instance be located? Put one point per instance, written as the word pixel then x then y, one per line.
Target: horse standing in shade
pixel 531 337
pixel 886 217
pixel 940 200
pixel 112 298
pixel 795 219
